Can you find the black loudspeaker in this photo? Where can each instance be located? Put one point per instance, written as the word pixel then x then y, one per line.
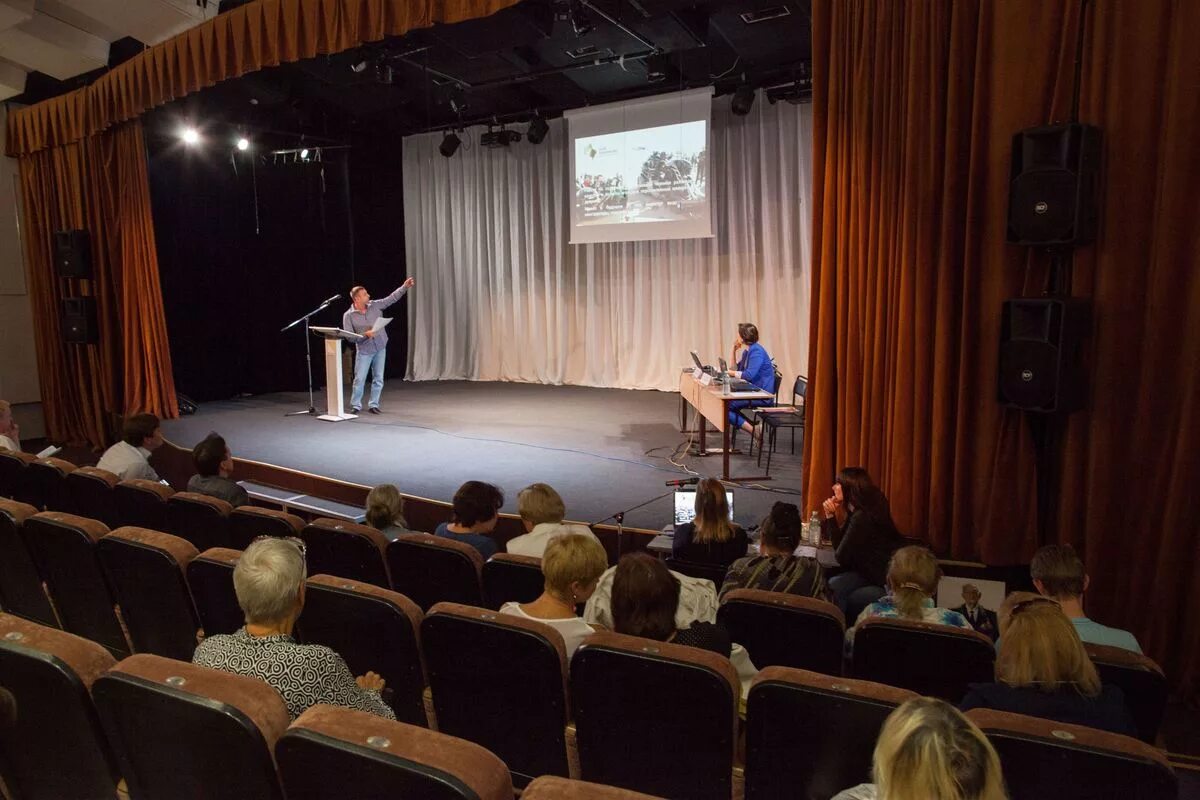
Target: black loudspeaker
pixel 1042 365
pixel 72 254
pixel 79 320
pixel 1053 185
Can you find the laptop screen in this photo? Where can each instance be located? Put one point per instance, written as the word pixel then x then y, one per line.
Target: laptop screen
pixel 685 505
pixel 696 358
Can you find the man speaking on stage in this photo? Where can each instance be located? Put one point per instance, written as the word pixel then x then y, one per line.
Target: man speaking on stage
pixel 371 352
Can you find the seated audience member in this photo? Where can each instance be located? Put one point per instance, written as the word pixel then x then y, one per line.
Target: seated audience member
pixel 644 597
pixel 476 512
pixel 10 432
pixel 269 581
pixel 385 511
pixel 130 458
pixel 1057 572
pixel 214 465
pixel 1043 671
pixel 912 580
pixel 981 619
pixel 710 538
pixel 572 565
pixel 776 568
pixel 928 749
pixel 542 511
pixel 858 521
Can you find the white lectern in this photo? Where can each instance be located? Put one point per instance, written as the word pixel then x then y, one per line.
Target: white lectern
pixel 335 409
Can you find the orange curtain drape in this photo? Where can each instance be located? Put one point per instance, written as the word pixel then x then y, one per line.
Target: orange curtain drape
pixel 915 105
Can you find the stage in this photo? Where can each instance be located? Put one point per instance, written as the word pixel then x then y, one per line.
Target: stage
pixel 604 450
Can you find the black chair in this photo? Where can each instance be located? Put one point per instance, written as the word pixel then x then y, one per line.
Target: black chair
pixel 45 484
pixel 431 569
pixel 21 591
pixel 210 577
pixel 247 523
pixel 512 578
pixel 202 520
pixel 142 504
pixel 1140 679
pixel 785 630
pixel 928 658
pixel 12 472
pixel 347 550
pixel 751 413
pixel 696 569
pixel 785 418
pixel 373 629
pixel 90 491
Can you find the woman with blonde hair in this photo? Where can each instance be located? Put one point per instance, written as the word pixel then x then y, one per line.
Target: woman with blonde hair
pixel 385 511
pixel 927 750
pixel 1042 670
pixel 711 537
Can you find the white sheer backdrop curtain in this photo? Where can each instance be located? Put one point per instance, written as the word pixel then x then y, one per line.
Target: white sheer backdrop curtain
pixel 500 294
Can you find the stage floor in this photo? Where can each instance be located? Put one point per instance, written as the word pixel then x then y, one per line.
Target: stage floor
pixel 604 450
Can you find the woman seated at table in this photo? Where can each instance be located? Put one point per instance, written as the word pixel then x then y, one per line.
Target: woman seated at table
pixel 572 565
pixel 711 537
pixel 777 568
pixel 858 522
pixel 1044 671
pixel 385 511
pixel 644 598
pixel 753 366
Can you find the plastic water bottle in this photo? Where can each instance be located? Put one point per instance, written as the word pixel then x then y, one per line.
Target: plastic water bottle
pixel 814 529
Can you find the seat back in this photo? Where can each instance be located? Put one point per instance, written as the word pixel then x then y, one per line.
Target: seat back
pixel 45 484
pixel 373 629
pixel 56 747
pixel 488 669
pixel 799 390
pixel 146 571
pixel 180 730
pixel 202 520
pixel 431 569
pixel 928 658
pixel 347 550
pixel 1043 758
pixel 210 577
pixel 551 787
pixel 339 752
pixel 785 630
pixel 512 578
pixel 247 523
pixel 64 548
pixel 842 718
pixel 695 569
pixel 1140 679
pixel 142 504
pixel 12 473
pixel 679 704
pixel 21 591
pixel 91 494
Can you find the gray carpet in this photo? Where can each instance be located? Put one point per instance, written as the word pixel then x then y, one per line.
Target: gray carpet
pixel 604 450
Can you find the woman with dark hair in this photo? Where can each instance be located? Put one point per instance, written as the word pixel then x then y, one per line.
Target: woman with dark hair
pixel 645 596
pixel 712 537
pixel 776 568
pixel 754 366
pixel 476 512
pixel 858 521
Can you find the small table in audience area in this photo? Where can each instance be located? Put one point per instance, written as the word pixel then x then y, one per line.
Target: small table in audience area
pixel 288 500
pixel 713 405
pixel 661 546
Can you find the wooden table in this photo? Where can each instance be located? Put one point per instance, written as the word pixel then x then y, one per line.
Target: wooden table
pixel 713 405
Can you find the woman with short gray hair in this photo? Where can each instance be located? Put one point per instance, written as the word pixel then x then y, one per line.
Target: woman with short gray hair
pixel 269 582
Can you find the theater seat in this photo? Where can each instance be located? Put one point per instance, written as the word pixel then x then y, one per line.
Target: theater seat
pixel 346 549
pixel 432 569
pixel 21 591
pixel 487 670
pixel 785 630
pixel 56 748
pixel 372 629
pixel 550 787
pixel 339 752
pixel 1140 679
pixel 45 484
pixel 655 717
pixel 91 494
pixel 12 472
pixel 928 658
pixel 142 504
pixel 812 735
pixel 247 523
pixel 64 548
pixel 180 730
pixel 1046 759
pixel 210 577
pixel 202 520
pixel 512 578
pixel 695 569
pixel 146 571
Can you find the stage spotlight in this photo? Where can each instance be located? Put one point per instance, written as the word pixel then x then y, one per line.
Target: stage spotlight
pixel 190 136
pixel 243 143
pixel 359 67
pixel 449 145
pixel 304 154
pixel 537 130
pixel 581 22
pixel 743 100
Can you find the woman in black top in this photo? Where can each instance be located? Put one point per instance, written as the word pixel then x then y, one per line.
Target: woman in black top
pixel 859 523
pixel 710 538
pixel 645 596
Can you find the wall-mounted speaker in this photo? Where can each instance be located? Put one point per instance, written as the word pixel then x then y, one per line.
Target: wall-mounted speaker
pixel 1042 355
pixel 79 320
pixel 72 254
pixel 1053 183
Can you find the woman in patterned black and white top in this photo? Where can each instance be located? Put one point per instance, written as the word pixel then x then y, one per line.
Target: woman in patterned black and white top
pixel 269 581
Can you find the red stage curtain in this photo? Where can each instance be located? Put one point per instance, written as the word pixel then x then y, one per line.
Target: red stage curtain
pixel 914 108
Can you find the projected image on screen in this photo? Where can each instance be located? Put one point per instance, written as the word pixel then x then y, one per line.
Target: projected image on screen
pixel 649 175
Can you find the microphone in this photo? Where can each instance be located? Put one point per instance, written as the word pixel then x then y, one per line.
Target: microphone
pixel 682 482
pixel 330 300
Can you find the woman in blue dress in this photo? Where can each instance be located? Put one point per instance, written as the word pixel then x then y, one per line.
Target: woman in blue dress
pixel 753 366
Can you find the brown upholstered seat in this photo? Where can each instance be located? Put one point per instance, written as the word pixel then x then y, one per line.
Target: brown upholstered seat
pixel 552 787
pixel 1042 758
pixel 202 520
pixel 432 569
pixel 812 735
pixel 12 474
pixel 146 571
pixel 372 629
pixel 512 578
pixel 64 548
pixel 21 591
pixel 339 752
pixel 786 630
pixel 142 504
pixel 654 717
pixel 247 523
pixel 180 730
pixel 90 490
pixel 45 487
pixel 1141 680
pixel 346 549
pixel 210 577
pixel 56 747
pixel 487 670
pixel 928 658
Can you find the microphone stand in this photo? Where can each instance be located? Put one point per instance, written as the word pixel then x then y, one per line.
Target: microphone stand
pixel 620 517
pixel 312 407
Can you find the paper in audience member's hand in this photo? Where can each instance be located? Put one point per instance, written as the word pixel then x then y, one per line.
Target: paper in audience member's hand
pixel 49 451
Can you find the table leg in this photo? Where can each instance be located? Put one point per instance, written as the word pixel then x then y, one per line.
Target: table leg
pixel 703 425
pixel 683 406
pixel 725 452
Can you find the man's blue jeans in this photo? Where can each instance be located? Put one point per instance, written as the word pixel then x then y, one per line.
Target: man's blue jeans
pixel 362 363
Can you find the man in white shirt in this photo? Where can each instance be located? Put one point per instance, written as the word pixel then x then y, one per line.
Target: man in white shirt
pixel 10 433
pixel 129 458
pixel 542 511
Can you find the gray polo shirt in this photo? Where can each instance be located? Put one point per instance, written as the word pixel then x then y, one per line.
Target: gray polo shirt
pixel 361 322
